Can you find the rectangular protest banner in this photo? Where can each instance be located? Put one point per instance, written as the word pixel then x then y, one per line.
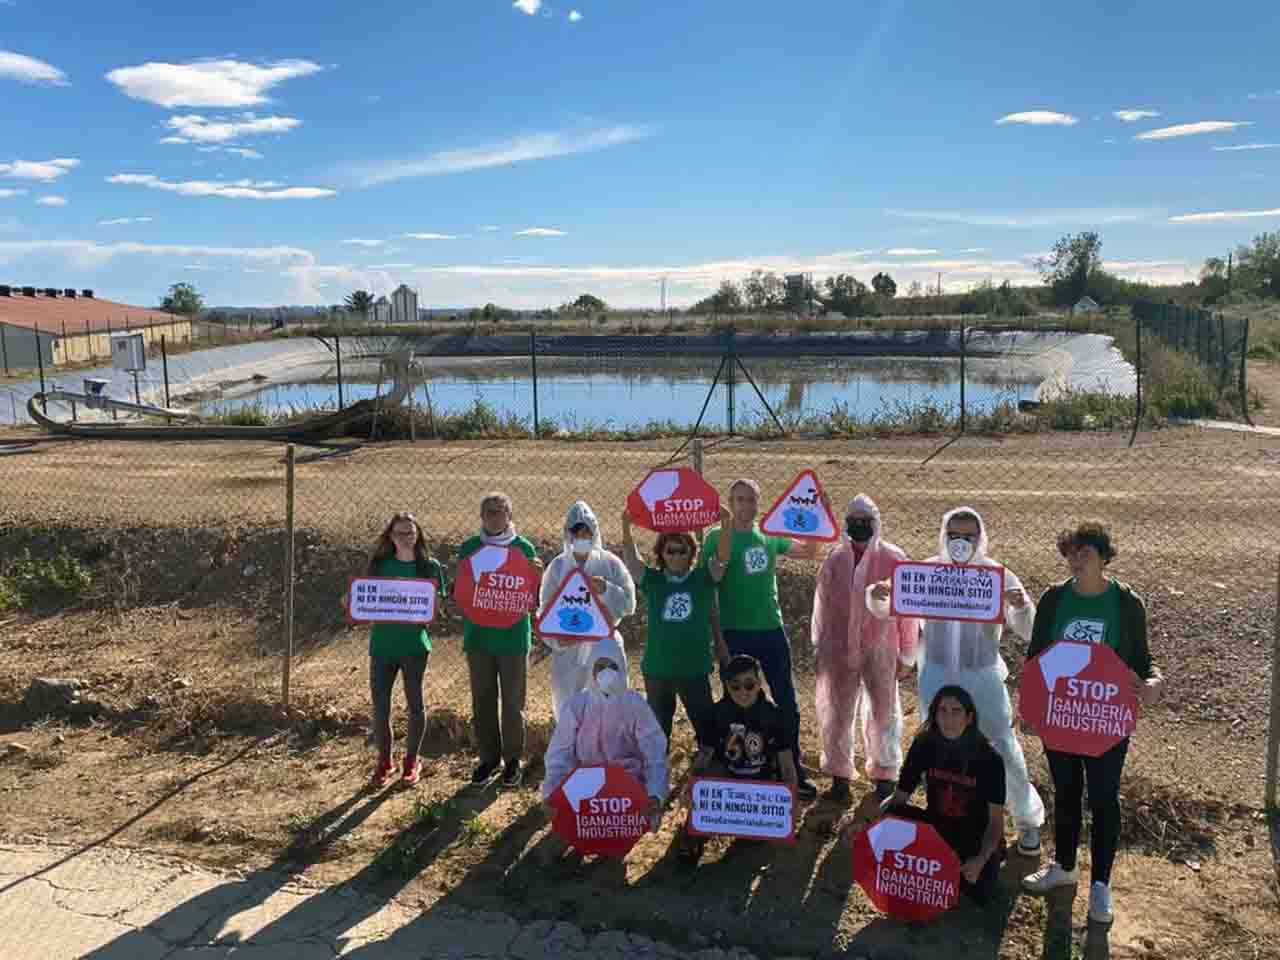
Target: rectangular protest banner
pixel 391 600
pixel 756 809
pixel 948 591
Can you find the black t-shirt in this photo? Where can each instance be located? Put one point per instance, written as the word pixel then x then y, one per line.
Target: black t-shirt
pixel 747 741
pixel 960 782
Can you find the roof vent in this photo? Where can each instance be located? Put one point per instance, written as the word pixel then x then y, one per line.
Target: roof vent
pixel 69 292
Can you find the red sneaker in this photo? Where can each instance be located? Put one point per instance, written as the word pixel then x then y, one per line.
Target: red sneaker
pixel 384 772
pixel 412 772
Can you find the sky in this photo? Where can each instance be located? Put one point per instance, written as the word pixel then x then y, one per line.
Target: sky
pixel 524 153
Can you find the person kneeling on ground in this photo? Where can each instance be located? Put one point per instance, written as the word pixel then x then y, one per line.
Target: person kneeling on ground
pixel 964 784
pixel 609 725
pixel 749 737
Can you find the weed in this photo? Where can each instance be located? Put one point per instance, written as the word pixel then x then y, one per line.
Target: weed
pixel 402 856
pixel 475 830
pixel 26 581
pixel 432 813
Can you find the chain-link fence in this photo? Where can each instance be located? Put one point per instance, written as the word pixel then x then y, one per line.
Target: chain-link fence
pixel 1217 343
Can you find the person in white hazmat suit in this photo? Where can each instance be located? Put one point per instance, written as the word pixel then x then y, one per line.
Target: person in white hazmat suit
pixel 583 548
pixel 968 655
pixel 608 724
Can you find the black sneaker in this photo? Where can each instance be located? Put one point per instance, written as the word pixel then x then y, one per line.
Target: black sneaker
pixel 806 789
pixel 484 773
pixel 839 792
pixel 885 789
pixel 512 775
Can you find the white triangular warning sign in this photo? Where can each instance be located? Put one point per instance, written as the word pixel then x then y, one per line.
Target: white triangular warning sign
pixel 802 513
pixel 575 613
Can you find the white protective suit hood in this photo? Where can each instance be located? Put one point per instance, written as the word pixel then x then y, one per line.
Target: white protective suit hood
pixel 581 512
pixel 863 504
pixel 980 549
pixel 609 649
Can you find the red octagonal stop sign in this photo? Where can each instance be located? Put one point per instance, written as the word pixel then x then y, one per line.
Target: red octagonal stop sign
pixel 1078 697
pixel 600 810
pixel 674 500
pixel 496 586
pixel 906 869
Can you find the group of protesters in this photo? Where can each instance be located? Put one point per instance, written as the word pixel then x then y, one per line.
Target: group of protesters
pixel 719 606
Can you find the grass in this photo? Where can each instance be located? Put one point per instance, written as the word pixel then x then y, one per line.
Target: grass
pixel 27 581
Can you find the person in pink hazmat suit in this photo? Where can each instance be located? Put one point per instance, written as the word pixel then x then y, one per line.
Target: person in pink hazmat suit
pixel 608 724
pixel 857 656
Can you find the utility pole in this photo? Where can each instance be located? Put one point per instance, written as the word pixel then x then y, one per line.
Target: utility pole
pixel 1229 271
pixel 664 294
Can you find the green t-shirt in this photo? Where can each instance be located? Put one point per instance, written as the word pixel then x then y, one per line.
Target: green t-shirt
pixel 679 641
pixel 1084 619
pixel 391 641
pixel 513 639
pixel 749 588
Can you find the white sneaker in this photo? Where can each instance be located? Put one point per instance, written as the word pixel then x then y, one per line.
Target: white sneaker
pixel 1050 878
pixel 1029 841
pixel 1100 910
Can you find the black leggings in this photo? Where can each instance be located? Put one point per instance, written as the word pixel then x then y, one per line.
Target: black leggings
pixel 1070 772
pixel 382 680
pixel 693 692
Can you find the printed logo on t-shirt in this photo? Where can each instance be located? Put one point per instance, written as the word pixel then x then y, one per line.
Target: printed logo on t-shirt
pixel 756 559
pixel 744 749
pixel 1083 630
pixel 678 608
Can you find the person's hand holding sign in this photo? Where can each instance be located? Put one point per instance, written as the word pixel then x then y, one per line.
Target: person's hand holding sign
pixel 726 518
pixel 599 585
pixel 1148 691
pixel 971 869
pixel 1016 599
pixel 882 590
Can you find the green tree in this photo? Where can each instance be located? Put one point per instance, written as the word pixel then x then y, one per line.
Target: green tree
pixel 848 294
pixel 883 284
pixel 1257 267
pixel 1070 265
pixel 764 291
pixel 184 299
pixel 587 303
pixel 726 299
pixel 360 301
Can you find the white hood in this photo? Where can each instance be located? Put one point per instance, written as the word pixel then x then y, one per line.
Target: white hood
pixel 862 504
pixel 610 649
pixel 579 513
pixel 980 549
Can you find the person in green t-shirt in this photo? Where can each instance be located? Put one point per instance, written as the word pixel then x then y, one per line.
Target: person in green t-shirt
pixel 678 649
pixel 750 616
pixel 400 648
pixel 1091 607
pixel 498 659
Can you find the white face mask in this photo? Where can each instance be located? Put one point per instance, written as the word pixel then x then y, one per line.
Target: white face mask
pixel 582 546
pixel 609 680
pixel 961 550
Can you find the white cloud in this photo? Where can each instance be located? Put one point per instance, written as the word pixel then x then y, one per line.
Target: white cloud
pixel 1109 140
pixel 1132 116
pixel 121 221
pixel 1247 146
pixel 911 252
pixel 974 250
pixel 1035 218
pixel 574 16
pixel 52 201
pixel 537 146
pixel 1218 216
pixel 194 128
pixel 244 152
pixel 24 69
pixel 429 236
pixel 6 193
pixel 42 170
pixel 90 255
pixel 1191 129
pixel 207 83
pixel 1039 118
pixel 231 189
pixel 197 266
pixel 489 229
pixel 528 6
pixel 540 232
pixel 359 242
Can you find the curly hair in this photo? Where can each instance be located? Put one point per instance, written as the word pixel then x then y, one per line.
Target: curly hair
pixel 1089 533
pixel 665 538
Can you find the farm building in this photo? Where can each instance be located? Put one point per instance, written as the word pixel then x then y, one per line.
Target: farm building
pixel 1086 304
pixel 73 326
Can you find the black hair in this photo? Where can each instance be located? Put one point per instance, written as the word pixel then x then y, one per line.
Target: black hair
pixel 738 665
pixel 965 699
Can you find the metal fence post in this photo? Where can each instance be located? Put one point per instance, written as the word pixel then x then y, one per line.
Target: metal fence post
pixel 731 362
pixel 337 352
pixel 697 466
pixel 533 356
pixel 44 404
pixel 4 350
pixel 288 575
pixel 1137 369
pixel 164 362
pixel 1273 727
pixel 962 377
pixel 1244 375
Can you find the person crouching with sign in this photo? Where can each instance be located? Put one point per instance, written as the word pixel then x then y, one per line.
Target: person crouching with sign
pixel 571 663
pixel 679 646
pixel 857 655
pixel 401 551
pixel 744 735
pixel 609 725
pixel 964 786
pixel 1094 608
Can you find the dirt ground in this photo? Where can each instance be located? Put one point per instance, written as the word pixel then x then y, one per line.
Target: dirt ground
pixel 179 643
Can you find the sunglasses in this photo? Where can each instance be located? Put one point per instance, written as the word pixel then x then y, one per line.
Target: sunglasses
pixel 743 686
pixel 676 551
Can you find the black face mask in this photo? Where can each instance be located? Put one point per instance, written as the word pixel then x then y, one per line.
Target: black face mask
pixel 860 529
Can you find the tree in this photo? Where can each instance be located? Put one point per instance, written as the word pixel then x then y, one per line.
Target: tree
pixel 360 301
pixel 726 299
pixel 848 294
pixel 915 289
pixel 764 291
pixel 1070 264
pixel 589 304
pixel 1257 267
pixel 182 299
pixel 883 284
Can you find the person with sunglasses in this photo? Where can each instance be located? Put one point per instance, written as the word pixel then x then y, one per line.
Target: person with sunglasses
pixel 744 735
pixel 967 654
pixel 680 643
pixel 1091 607
pixel 400 648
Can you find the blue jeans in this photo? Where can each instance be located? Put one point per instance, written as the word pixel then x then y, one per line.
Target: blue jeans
pixel 773 650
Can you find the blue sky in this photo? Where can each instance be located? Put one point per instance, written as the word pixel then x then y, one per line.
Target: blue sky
pixel 481 150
